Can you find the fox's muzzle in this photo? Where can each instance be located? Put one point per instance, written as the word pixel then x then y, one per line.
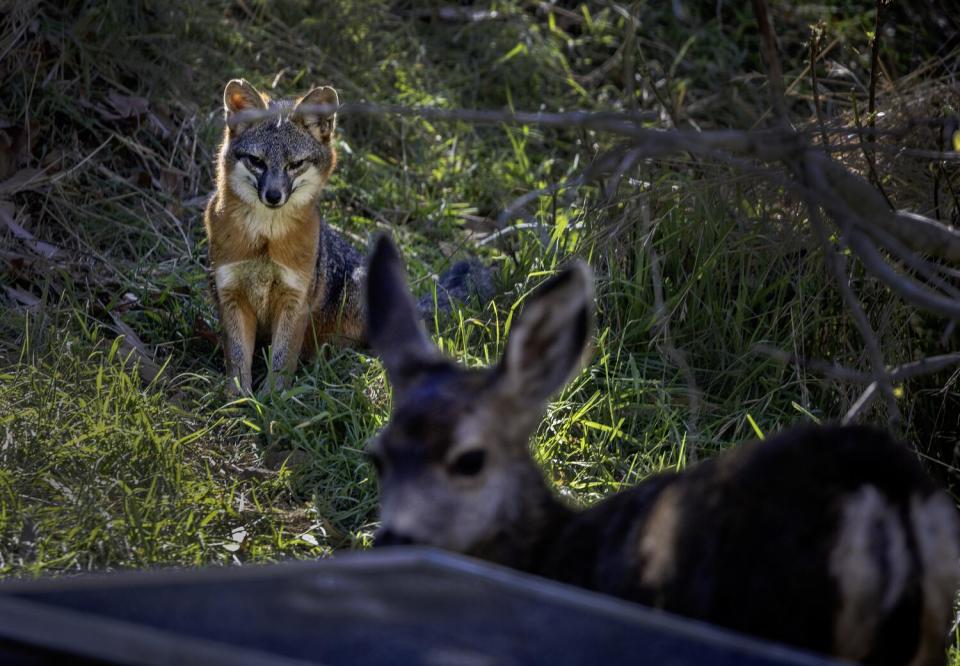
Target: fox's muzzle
pixel 273 187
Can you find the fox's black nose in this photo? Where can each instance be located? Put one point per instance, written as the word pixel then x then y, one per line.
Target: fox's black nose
pixel 391 538
pixel 273 197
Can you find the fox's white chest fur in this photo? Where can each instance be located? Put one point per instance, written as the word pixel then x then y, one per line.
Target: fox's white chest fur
pixel 260 280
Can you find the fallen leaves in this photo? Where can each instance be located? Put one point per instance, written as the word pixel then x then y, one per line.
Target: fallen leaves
pixel 133 347
pixel 119 107
pixel 39 247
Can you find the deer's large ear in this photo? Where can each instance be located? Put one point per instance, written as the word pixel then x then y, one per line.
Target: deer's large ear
pixel 394 328
pixel 548 340
pixel 317 112
pixel 238 97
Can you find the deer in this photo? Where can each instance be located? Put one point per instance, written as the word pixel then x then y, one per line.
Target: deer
pixel 828 538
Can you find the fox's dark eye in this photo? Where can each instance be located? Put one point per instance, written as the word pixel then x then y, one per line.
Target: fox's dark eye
pixel 293 166
pixel 254 161
pixel 374 459
pixel 469 463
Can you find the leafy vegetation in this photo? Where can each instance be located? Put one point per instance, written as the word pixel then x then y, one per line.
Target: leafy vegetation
pixel 123 452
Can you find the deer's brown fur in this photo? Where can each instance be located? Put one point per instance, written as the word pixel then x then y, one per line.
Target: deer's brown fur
pixel 828 538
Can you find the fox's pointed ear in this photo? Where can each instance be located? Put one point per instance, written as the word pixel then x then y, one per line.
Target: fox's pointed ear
pixel 394 328
pixel 317 112
pixel 240 96
pixel 548 339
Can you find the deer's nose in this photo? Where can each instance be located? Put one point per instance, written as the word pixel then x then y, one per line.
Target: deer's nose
pixel 387 537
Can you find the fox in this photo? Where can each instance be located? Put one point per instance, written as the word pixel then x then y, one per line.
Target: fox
pixel 828 538
pixel 278 271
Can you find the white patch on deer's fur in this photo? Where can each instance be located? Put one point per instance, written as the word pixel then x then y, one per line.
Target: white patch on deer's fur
pixel 469 434
pixel 865 593
pixel 407 510
pixel 659 538
pixel 935 527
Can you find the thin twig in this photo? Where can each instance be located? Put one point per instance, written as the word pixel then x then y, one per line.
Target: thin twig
pixel 836 265
pixel 814 56
pixel 771 59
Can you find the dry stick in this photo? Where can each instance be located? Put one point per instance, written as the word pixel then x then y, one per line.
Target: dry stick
pixel 843 208
pixel 861 404
pixel 628 124
pixel 826 368
pixel 900 151
pixel 868 155
pixel 768 42
pixel 908 289
pixel 904 371
pixel 628 67
pixel 851 223
pixel 917 368
pixel 835 261
pixel 837 266
pixel 625 124
pixel 925 366
pixel 841 193
pixel 849 192
pixel 936 175
pixel 926 268
pixel 874 66
pixel 814 56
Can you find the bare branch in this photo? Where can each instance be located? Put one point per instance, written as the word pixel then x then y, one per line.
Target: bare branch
pixel 837 266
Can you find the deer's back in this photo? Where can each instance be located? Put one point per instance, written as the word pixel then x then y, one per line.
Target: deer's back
pixel 829 538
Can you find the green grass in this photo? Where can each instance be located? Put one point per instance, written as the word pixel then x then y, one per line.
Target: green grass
pixel 101 468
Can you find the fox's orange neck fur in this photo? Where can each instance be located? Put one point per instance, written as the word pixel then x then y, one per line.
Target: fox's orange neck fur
pixel 249 230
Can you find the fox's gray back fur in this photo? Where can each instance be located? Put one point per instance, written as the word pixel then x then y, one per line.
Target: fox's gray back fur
pixel 465 282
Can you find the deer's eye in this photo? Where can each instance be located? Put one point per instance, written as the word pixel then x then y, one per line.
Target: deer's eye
pixel 254 161
pixel 375 460
pixel 469 463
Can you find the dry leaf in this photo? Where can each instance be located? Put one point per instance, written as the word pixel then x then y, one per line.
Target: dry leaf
pixel 133 345
pixel 124 106
pixel 25 298
pixel 24 179
pixel 42 248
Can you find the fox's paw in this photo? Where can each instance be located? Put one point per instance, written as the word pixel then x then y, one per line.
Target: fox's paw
pixel 274 383
pixel 236 388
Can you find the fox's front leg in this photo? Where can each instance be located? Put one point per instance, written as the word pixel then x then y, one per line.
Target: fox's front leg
pixel 239 332
pixel 288 329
